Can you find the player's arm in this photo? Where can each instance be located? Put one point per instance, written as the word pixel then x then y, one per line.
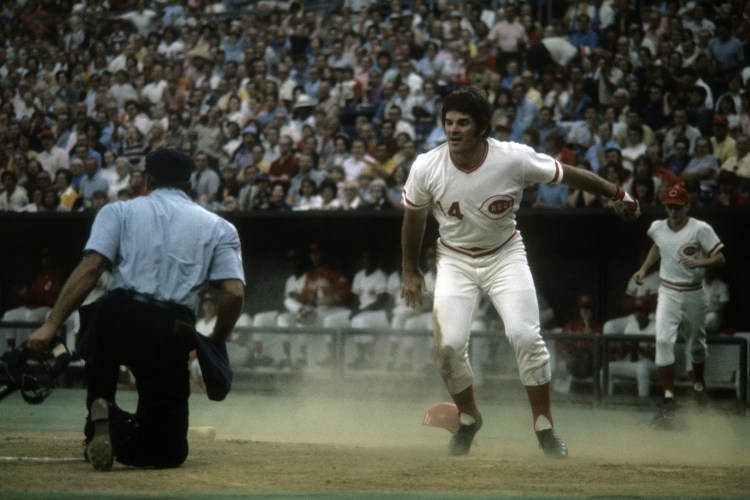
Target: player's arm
pixel 228 309
pixel 651 258
pixel 412 234
pixel 715 260
pixel 76 288
pixel 586 180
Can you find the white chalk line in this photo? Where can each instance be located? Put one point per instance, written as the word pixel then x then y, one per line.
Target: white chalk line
pixel 40 459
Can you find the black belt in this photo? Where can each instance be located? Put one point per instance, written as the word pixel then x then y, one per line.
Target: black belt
pixel 178 309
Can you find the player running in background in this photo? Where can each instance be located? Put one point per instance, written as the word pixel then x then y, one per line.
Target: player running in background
pixel 686 246
pixel 474 185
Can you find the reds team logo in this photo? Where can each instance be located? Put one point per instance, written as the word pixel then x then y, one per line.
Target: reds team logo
pixel 690 250
pixel 497 206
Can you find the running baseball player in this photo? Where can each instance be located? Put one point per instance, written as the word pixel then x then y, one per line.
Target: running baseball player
pixel 686 246
pixel 474 185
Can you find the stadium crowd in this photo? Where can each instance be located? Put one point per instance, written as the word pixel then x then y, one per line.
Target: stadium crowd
pixel 324 105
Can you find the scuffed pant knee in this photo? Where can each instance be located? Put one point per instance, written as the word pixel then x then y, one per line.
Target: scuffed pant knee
pixel 455 370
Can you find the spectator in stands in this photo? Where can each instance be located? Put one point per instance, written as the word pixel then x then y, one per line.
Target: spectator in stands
pixel 681 129
pixel 13 197
pixel 285 167
pixel 726 55
pixel 121 179
pixel 257 197
pixel 208 135
pixel 229 187
pixel 596 153
pixel 92 181
pixel 636 147
pixel 205 180
pixel 722 144
pixel 133 147
pixel 740 162
pixel 36 200
pixel 65 190
pixel 680 157
pixel 583 133
pixel 702 167
pixel 51 158
pixel 728 192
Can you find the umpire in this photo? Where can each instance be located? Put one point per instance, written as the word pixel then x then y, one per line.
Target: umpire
pixel 162 250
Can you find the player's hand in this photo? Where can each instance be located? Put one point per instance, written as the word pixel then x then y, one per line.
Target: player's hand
pixel 626 207
pixel 638 276
pixel 412 288
pixel 40 340
pixel 690 262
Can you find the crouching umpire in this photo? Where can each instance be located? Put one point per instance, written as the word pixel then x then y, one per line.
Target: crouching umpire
pixel 162 249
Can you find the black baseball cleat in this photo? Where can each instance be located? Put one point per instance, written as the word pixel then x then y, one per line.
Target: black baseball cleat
pixel 99 448
pixel 665 417
pixel 551 443
pixel 463 437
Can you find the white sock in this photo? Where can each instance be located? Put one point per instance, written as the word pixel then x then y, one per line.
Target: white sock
pixel 668 394
pixel 542 423
pixel 466 419
pixel 698 386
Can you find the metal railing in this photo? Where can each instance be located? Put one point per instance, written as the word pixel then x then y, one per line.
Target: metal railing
pixel 600 346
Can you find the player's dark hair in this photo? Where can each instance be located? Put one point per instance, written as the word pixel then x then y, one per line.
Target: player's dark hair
pixel 470 101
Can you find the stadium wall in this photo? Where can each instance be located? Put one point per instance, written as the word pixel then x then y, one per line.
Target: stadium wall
pixel 571 251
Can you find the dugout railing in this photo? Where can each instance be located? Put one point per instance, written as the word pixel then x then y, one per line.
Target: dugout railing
pixel 600 347
pixel 340 336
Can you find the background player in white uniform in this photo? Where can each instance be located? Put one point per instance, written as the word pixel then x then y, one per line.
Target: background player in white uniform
pixel 410 318
pixel 370 285
pixel 635 359
pixel 474 185
pixel 685 246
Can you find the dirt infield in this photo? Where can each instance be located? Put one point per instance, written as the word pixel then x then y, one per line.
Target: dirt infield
pixel 289 444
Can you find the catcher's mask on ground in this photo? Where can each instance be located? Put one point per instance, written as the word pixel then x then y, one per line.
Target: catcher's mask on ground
pixel 34 377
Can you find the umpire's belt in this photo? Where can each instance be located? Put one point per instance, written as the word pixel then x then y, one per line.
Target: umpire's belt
pixel 178 309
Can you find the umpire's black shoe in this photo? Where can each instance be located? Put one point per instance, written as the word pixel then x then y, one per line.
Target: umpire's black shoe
pixel 462 439
pixel 99 449
pixel 551 443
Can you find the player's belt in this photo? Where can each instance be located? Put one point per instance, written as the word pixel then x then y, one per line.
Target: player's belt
pixel 476 252
pixel 682 287
pixel 147 299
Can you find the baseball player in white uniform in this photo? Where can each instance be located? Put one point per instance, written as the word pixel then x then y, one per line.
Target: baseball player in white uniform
pixel 635 359
pixel 686 246
pixel 410 318
pixel 474 186
pixel 370 285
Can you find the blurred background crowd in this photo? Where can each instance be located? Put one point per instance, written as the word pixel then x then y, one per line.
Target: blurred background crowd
pixel 323 105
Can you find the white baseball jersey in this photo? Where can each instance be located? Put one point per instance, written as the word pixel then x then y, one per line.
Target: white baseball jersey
pixel 696 239
pixel 476 208
pixel 368 287
pixel 294 284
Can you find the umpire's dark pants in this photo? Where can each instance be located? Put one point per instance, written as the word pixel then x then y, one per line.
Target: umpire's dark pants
pixel 123 331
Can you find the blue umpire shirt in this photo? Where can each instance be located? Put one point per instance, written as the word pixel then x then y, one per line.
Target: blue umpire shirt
pixel 166 246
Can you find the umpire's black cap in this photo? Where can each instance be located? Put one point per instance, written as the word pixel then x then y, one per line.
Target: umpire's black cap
pixel 168 164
